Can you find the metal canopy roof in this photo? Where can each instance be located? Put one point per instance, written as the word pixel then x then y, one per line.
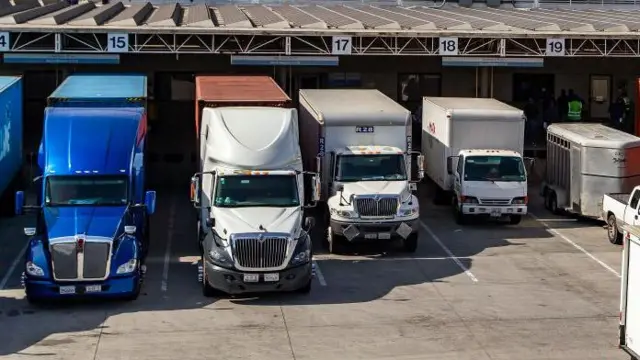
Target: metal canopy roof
pixel 31 15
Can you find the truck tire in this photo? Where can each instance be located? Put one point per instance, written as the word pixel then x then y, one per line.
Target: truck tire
pixel 136 294
pixel 515 219
pixel 200 238
pixel 551 202
pixel 207 290
pixel 461 218
pixel 612 230
pixel 410 244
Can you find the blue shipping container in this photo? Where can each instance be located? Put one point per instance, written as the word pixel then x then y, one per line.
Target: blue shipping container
pixel 104 90
pixel 10 130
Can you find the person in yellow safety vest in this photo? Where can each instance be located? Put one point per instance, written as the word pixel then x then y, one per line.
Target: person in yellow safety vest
pixel 576 104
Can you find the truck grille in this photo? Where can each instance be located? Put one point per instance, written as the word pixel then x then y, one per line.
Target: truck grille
pixel 377 207
pixel 256 253
pixel 495 201
pixel 64 257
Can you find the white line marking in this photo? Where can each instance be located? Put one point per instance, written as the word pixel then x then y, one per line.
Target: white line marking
pixel 391 258
pixel 14 265
pixel 319 275
pixel 167 252
pixel 446 249
pixel 557 233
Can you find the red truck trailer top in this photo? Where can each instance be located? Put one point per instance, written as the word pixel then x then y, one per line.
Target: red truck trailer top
pixel 217 91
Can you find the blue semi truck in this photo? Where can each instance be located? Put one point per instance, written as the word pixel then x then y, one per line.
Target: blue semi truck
pixel 91 236
pixel 10 141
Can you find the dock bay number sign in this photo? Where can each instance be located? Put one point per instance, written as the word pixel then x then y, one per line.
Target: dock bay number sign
pixel 117 43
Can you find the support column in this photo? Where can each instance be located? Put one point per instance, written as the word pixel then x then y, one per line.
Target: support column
pixel 484 82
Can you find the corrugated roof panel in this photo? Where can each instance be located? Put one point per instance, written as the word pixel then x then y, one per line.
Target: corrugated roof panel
pixel 99 15
pixel 297 17
pixel 231 16
pixel 101 87
pixel 332 18
pixel 475 21
pixel 564 24
pixel 239 89
pixel 166 15
pixel 22 6
pixel 198 16
pixel 510 20
pixel 405 21
pixel 33 13
pixel 64 15
pixel 443 23
pixel 263 17
pixel 599 23
pixel 133 15
pixel 631 20
pixel 368 20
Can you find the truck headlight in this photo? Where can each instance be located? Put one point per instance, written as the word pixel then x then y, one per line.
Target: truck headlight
pixel 468 200
pixel 302 252
pixel 349 214
pixel 301 258
pixel 128 267
pixel 519 201
pixel 219 257
pixel 407 212
pixel 33 269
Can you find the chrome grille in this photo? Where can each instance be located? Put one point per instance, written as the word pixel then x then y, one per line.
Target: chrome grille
pixel 495 201
pixel 376 207
pixel 65 261
pixel 96 258
pixel 256 253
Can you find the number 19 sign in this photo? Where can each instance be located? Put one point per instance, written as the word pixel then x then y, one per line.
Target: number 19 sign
pixel 117 43
pixel 555 47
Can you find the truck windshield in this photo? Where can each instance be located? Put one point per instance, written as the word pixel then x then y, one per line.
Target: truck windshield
pixel 371 168
pixel 494 168
pixel 78 190
pixel 257 190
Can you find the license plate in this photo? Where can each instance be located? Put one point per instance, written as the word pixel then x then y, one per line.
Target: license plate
pixel 93 288
pixel 496 212
pixel 370 236
pixel 384 236
pixel 70 289
pixel 271 277
pixel 251 277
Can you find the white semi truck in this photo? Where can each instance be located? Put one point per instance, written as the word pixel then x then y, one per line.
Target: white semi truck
pixel 250 193
pixel 474 152
pixel 359 142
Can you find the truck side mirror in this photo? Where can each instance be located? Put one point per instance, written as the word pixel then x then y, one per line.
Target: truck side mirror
pixel 195 190
pixel 309 222
pixel 450 165
pixel 210 222
pixel 19 202
pixel 150 202
pixel 339 188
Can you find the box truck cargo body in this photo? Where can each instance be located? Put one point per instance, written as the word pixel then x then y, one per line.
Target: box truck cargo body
pixel 359 141
pixel 10 141
pixel 92 233
pixel 249 194
pixel 629 324
pixel 473 149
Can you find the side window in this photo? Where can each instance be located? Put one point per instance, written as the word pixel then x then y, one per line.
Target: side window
pixel 634 199
pixel 459 167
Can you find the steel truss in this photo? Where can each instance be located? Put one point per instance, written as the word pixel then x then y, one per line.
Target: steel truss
pixel 88 42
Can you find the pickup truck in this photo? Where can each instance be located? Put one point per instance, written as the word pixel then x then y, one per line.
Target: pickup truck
pixel 619 209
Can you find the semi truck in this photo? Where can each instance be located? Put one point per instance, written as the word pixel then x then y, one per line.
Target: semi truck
pixel 629 324
pixel 359 141
pixel 250 196
pixel 474 152
pixel 91 235
pixel 10 141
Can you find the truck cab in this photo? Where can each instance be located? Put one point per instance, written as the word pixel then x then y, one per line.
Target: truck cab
pixel 371 196
pixel 489 183
pixel 91 235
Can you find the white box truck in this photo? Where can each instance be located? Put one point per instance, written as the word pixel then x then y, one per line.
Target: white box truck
pixel 473 150
pixel 630 290
pixel 250 193
pixel 359 141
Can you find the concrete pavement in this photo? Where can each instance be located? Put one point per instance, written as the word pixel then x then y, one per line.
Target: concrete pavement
pixel 513 292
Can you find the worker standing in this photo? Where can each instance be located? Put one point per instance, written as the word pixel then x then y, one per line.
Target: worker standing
pixel 621 113
pixel 576 104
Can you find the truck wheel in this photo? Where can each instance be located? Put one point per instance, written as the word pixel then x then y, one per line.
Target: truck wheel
pixel 134 296
pixel 552 202
pixel 612 231
pixel 335 242
pixel 460 217
pixel 410 244
pixel 207 289
pixel 200 245
pixel 515 219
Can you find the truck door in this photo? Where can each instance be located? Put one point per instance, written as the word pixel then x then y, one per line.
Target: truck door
pixel 631 211
pixel 457 182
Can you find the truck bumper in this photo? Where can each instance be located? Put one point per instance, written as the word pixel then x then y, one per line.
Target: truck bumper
pixel 232 281
pixel 494 211
pixel 383 230
pixel 114 287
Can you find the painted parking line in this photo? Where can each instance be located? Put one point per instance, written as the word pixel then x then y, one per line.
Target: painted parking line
pixel 569 241
pixel 167 252
pixel 14 266
pixel 449 253
pixel 318 273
